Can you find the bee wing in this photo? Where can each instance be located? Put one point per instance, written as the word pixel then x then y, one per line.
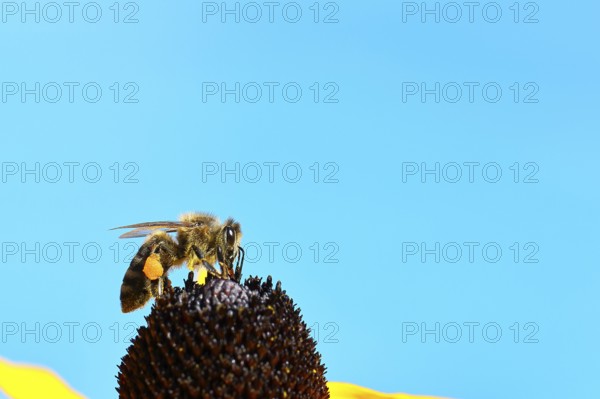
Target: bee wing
pixel 143 229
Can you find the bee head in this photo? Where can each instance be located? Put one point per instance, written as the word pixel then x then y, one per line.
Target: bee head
pixel 228 241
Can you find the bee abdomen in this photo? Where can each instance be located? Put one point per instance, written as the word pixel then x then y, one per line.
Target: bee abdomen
pixel 136 288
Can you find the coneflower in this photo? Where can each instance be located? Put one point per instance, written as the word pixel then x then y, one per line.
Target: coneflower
pixel 223 340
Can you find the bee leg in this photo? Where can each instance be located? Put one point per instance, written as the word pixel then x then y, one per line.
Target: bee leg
pixel 164 247
pixel 197 251
pixel 211 269
pixel 156 287
pixel 162 250
pixel 225 270
pixel 159 289
pixel 239 265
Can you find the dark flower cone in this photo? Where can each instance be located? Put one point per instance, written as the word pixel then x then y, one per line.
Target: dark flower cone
pixel 223 340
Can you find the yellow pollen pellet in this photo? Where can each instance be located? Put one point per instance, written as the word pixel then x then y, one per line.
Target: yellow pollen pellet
pixel 152 267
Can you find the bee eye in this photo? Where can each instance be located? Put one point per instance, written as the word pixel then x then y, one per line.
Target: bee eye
pixel 229 235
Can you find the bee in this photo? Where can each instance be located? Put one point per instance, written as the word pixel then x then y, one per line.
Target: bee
pixel 201 241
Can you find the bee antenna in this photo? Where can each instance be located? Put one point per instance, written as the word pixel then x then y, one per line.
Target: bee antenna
pixel 240 264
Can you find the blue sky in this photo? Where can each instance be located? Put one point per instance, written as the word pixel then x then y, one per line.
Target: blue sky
pixel 409 181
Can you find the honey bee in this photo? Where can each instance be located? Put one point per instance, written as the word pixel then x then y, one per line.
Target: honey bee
pixel 201 241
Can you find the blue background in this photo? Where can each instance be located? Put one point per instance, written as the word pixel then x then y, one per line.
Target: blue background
pixel 362 304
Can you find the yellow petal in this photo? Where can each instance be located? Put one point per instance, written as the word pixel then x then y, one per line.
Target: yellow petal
pixel 26 382
pixel 342 390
